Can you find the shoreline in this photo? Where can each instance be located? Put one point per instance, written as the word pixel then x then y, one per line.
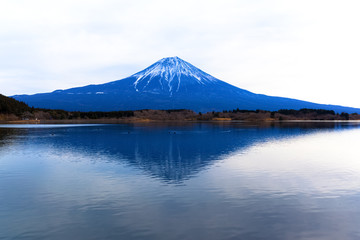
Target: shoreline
pixel 129 121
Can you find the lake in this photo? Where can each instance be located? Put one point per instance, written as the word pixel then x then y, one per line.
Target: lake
pixel 180 181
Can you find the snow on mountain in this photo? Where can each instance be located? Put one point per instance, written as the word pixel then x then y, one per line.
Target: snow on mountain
pixel 170 73
pixel 170 83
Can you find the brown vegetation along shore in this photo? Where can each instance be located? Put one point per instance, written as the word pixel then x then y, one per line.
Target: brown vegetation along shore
pixel 13 111
pixel 59 116
pixel 22 122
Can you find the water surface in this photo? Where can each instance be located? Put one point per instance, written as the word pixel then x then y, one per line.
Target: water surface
pixel 180 181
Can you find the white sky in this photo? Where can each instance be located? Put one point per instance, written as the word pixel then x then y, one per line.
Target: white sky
pixel 304 49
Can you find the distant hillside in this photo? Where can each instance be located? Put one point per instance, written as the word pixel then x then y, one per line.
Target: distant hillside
pixel 11 106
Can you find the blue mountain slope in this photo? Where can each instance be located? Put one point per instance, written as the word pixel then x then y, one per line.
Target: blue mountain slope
pixel 170 83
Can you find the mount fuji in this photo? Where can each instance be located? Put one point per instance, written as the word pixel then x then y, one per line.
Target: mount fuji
pixel 170 83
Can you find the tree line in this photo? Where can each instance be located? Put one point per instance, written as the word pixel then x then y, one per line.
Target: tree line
pixel 12 106
pixel 14 109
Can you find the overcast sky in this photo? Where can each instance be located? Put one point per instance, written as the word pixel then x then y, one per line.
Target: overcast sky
pixel 304 49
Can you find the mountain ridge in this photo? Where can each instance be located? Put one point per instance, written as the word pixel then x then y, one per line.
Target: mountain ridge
pixel 170 83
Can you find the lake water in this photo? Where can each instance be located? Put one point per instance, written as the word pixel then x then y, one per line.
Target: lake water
pixel 180 181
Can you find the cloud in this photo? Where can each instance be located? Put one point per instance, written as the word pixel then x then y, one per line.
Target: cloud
pixel 295 49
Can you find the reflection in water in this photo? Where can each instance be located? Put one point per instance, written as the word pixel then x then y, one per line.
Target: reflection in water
pixel 6 135
pixel 194 181
pixel 171 153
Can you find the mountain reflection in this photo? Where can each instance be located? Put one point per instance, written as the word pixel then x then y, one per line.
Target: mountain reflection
pixel 169 152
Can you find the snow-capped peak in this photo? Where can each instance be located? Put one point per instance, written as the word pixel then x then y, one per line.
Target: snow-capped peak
pixel 171 71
